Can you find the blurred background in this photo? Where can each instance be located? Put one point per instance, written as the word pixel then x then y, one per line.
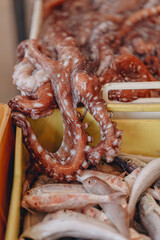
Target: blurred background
pixel 15 18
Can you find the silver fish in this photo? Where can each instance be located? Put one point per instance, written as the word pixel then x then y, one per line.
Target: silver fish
pixel 129 162
pixel 116 210
pixel 150 216
pixel 67 223
pixel 147 176
pixel 117 183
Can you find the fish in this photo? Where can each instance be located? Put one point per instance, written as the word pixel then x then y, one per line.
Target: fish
pixel 117 183
pixel 129 162
pixel 154 192
pixel 67 223
pixel 130 178
pixel 147 176
pixel 150 216
pixel 49 199
pixel 57 187
pixel 116 210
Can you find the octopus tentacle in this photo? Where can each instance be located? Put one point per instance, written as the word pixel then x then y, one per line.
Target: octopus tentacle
pixel 128 68
pixel 48 5
pixel 102 53
pixel 70 151
pixel 40 104
pixel 110 142
pixel 138 16
pixel 28 78
pixel 37 98
pixel 54 164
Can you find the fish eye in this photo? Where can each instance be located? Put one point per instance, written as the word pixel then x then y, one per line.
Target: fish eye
pixel 89 181
pixel 27 192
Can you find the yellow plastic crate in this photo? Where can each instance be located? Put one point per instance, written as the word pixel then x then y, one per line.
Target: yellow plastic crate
pixel 140 136
pixel 6 154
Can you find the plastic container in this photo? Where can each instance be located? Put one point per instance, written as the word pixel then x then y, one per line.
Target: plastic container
pixel 140 136
pixel 140 108
pixel 6 163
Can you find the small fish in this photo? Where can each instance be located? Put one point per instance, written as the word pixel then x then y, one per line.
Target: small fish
pixel 44 200
pixel 59 187
pixel 147 176
pixel 150 216
pixel 117 183
pixel 129 162
pixel 116 210
pixel 154 192
pixel 67 223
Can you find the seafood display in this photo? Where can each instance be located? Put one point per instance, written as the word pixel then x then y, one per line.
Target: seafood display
pixel 100 207
pixel 82 46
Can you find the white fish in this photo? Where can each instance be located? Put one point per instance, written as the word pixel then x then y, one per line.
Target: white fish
pixel 116 182
pixel 150 216
pixel 116 210
pixel 147 176
pixel 67 223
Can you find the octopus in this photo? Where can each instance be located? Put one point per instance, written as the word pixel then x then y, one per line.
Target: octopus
pixel 80 48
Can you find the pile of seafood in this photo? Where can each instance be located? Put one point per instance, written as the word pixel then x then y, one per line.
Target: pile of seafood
pixel 83 45
pixel 100 204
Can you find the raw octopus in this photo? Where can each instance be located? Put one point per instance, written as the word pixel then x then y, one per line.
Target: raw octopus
pixel 68 64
